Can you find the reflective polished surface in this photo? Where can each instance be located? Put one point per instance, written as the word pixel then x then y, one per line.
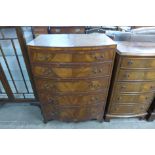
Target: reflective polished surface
pixel 136 48
pixel 72 40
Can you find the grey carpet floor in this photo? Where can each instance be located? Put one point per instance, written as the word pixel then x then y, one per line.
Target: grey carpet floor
pixel 26 116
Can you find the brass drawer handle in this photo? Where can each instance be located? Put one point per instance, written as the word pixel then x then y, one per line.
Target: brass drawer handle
pixel 57 30
pixel 101 57
pixel 142 108
pixel 51 100
pixel 77 30
pixel 152 87
pixel 47 56
pixel 46 86
pixel 48 71
pixel 98 86
pixel 94 99
pixel 123 87
pixel 98 70
pixel 54 113
pixel 49 86
pixel 118 98
pixel 130 62
pixel 116 108
pixel 126 75
pixel 95 70
pixel 95 86
pixel 146 98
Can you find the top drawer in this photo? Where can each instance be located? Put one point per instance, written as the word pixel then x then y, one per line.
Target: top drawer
pixel 128 62
pixel 49 56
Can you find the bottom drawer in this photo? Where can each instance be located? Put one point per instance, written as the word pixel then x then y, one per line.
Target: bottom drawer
pixel 73 113
pixel 128 109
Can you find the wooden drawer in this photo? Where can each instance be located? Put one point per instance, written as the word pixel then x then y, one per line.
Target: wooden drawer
pixel 128 109
pixel 72 100
pixel 73 113
pixel 67 30
pixel 139 75
pixel 72 86
pixel 133 98
pixel 40 29
pixel 128 62
pixel 133 87
pixel 72 72
pixel 51 56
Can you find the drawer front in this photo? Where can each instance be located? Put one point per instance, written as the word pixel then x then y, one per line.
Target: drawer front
pixel 133 87
pixel 72 100
pixel 56 30
pixel 133 98
pixel 128 109
pixel 72 86
pixel 64 30
pixel 73 113
pixel 127 75
pixel 138 63
pixel 72 72
pixel 40 30
pixel 48 56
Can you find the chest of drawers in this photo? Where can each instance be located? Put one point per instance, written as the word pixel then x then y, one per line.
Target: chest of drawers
pixel 72 74
pixel 133 83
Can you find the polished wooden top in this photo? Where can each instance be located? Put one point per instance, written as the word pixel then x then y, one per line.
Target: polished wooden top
pixel 136 48
pixel 72 40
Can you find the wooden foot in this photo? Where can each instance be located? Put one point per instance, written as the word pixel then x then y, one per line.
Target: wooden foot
pixel 100 120
pixel 45 121
pixel 107 119
pixel 35 104
pixel 2 104
pixel 150 120
pixel 142 118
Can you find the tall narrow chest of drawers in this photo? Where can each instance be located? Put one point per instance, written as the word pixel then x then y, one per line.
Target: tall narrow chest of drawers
pixel 72 74
pixel 133 83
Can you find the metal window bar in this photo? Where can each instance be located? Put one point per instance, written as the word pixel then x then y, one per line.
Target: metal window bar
pixel 4 85
pixel 20 66
pixel 27 92
pixel 6 63
pixel 23 41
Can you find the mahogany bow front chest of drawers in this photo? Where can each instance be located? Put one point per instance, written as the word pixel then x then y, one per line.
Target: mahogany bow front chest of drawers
pixel 133 82
pixel 72 74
